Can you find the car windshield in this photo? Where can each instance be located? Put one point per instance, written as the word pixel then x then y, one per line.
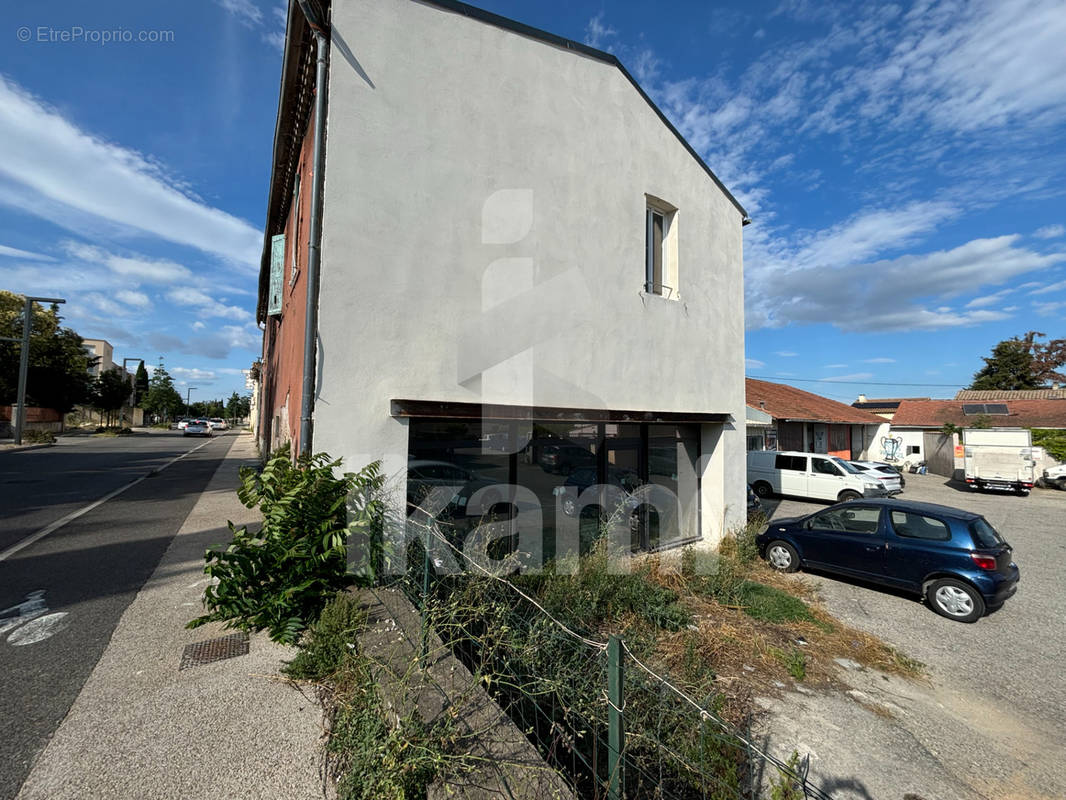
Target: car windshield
pixel 984 534
pixel 846 466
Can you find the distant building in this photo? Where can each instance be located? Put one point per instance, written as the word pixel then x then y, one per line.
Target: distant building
pixel 1056 392
pixel 884 407
pixel 102 350
pixel 783 417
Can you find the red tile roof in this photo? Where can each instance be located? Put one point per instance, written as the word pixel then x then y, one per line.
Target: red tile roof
pixel 994 395
pixel 789 403
pixel 1021 414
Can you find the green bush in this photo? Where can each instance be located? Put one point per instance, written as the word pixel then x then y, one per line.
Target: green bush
pixel 329 641
pixel 38 437
pixel 1053 441
pixel 279 578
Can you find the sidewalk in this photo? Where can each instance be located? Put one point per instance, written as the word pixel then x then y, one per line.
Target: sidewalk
pixel 141 728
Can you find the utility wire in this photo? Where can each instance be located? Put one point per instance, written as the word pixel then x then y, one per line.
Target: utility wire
pixel 857 383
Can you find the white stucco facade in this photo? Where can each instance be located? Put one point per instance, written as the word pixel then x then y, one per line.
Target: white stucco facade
pixel 484 242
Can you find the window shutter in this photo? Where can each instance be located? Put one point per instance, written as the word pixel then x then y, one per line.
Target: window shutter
pixel 277 270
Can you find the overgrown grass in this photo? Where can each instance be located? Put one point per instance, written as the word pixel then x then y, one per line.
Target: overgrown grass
pixel 38 437
pixel 768 604
pixel 369 756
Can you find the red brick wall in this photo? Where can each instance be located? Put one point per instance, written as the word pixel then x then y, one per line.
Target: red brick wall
pixel 33 414
pixel 283 340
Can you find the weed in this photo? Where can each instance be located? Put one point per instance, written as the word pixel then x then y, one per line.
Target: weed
pixel 769 604
pixel 786 786
pixel 795 662
pixel 329 641
pixel 38 437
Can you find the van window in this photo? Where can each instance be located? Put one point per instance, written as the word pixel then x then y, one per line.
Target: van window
pixel 824 466
pixel 798 463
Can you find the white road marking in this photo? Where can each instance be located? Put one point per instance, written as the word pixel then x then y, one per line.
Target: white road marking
pixel 59 523
pixel 39 629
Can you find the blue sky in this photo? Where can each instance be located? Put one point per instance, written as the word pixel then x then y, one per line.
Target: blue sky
pixel 904 165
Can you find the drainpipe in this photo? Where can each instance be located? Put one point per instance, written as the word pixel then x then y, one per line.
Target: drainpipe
pixel 314 253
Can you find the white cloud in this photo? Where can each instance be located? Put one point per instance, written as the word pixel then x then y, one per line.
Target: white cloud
pixel 1050 309
pixel 247 12
pixel 753 363
pixel 198 325
pixel 131 298
pixel 14 252
pixel 47 156
pixel 136 268
pixel 879 361
pixel 206 305
pixel 835 366
pixel 854 376
pixel 188 374
pixel 1051 287
pixel 989 299
pixel 904 293
pixel 786 354
pixel 597 32
pixel 1050 232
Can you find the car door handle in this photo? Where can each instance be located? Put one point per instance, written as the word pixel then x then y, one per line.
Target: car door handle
pixel 872 549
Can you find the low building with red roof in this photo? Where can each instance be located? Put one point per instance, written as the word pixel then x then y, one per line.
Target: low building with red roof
pixel 801 420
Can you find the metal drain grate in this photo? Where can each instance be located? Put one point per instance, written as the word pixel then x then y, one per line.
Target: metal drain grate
pixel 210 650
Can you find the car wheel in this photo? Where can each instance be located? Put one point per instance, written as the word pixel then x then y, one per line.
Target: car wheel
pixel 569 505
pixel 848 496
pixel 782 556
pixel 955 600
pixel 762 489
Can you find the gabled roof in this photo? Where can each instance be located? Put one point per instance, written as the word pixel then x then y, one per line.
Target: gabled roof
pixel 1001 395
pixel 789 404
pixel 1020 414
pixel 297 82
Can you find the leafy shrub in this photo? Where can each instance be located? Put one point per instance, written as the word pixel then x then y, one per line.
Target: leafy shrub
pixel 1054 441
pixel 38 437
pixel 279 578
pixel 329 641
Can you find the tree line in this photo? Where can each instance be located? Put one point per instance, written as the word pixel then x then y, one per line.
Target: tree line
pixel 59 374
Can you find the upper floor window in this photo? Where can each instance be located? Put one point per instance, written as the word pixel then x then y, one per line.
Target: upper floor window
pixel 660 263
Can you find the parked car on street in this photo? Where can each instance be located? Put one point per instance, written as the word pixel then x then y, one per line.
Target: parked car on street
pixel 183 423
pixel 197 427
pixel 954 559
pixel 891 480
pixel 218 424
pixel 814 475
pixel 564 458
pixel 1056 476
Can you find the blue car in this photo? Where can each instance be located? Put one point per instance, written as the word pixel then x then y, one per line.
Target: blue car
pixel 954 559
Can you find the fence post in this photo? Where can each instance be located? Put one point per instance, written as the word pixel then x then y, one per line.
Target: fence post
pixel 425 602
pixel 615 723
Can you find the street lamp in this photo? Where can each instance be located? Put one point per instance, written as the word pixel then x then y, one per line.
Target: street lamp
pixel 24 357
pixel 133 400
pixel 188 408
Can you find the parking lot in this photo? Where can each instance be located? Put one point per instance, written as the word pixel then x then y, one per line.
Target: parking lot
pixel 993 716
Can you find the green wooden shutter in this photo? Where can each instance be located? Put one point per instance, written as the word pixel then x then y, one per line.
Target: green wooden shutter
pixel 277 273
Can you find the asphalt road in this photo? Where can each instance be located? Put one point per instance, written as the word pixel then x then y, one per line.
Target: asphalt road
pixel 90 569
pixel 1004 672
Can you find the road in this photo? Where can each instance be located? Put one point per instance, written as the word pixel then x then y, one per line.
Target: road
pixel 89 570
pixel 999 683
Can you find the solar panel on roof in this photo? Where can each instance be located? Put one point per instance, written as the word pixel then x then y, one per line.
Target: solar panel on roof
pixel 970 409
pixel 996 408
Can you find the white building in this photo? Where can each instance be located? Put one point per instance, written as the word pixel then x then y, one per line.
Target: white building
pixel 526 273
pixel 102 350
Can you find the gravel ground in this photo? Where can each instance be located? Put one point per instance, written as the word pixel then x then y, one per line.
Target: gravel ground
pixel 990 723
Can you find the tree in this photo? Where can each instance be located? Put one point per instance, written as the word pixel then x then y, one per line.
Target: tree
pixel 58 375
pixel 162 399
pixel 140 383
pixel 1010 367
pixel 238 407
pixel 1048 357
pixel 1022 363
pixel 112 391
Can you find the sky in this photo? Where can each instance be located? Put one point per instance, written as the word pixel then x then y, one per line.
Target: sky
pixel 904 166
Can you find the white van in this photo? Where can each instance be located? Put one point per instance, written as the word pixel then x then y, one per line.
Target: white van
pixel 814 475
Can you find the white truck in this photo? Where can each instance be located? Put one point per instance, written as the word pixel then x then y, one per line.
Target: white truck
pixel 999 459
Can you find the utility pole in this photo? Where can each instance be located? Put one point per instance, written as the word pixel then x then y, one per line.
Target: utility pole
pixel 24 357
pixel 188 408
